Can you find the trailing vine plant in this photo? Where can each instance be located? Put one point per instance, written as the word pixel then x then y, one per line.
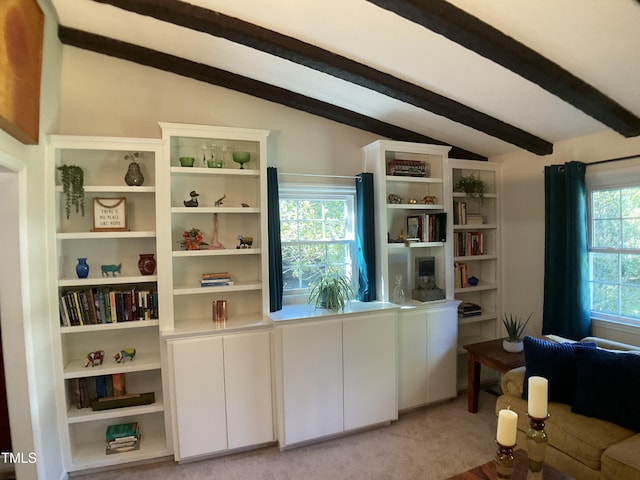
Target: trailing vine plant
pixel 72 178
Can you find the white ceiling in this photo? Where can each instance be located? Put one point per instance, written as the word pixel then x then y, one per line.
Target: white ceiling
pixel 596 40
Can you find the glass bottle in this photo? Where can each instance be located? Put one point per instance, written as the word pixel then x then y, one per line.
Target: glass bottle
pixel 398 291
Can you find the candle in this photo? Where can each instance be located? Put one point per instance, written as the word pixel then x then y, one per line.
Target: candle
pixel 507 428
pixel 538 389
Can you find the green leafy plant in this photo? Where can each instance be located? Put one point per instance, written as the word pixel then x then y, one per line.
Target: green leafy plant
pixel 472 185
pixel 331 290
pixel 72 178
pixel 515 326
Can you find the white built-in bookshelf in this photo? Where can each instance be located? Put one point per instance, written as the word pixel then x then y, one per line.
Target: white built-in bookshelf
pixel 476 245
pixel 412 185
pixel 79 306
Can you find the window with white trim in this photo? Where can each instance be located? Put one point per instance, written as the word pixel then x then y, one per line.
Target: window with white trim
pixel 317 233
pixel 614 242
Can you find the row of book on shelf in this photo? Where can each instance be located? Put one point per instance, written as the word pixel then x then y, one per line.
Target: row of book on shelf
pixel 461 275
pixel 105 392
pixel 468 244
pixel 216 279
pixel 428 227
pixel 462 217
pixel 96 305
pixel 122 437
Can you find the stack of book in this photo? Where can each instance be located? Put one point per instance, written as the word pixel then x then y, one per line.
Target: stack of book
pixel 218 279
pixel 123 437
pixel 468 309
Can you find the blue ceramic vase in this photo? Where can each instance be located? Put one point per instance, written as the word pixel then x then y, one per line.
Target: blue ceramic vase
pixel 82 268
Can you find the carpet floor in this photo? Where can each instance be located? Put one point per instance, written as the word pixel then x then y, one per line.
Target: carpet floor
pixel 432 443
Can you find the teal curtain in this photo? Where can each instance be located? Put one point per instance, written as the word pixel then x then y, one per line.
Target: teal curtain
pixel 275 245
pixel 566 310
pixel 365 238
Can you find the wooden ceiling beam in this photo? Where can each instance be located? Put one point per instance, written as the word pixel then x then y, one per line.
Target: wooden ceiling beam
pixel 233 29
pixel 463 28
pixel 239 83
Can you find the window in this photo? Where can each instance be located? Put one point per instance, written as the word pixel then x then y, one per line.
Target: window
pixel 317 232
pixel 614 249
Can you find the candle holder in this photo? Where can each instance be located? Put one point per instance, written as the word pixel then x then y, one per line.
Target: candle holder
pixel 536 447
pixel 504 461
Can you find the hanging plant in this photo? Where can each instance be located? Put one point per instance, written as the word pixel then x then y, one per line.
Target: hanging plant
pixel 72 178
pixel 472 185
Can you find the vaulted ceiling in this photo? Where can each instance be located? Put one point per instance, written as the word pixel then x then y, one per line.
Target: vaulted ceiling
pixel 487 77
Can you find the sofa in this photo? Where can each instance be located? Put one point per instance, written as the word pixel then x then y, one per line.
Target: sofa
pixel 584 446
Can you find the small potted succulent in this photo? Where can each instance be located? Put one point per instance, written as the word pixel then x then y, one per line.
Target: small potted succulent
pixel 514 326
pixel 331 290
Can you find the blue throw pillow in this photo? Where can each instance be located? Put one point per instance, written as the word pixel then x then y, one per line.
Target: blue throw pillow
pixel 608 386
pixel 554 361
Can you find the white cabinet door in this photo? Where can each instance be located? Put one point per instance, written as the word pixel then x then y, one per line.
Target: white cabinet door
pixel 369 346
pixel 248 389
pixel 311 366
pixel 412 358
pixel 442 335
pixel 198 382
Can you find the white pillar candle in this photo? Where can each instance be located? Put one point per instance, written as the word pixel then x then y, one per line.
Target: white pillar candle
pixel 507 428
pixel 538 400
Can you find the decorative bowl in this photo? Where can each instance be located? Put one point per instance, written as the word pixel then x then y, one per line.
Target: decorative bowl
pixel 187 161
pixel 241 157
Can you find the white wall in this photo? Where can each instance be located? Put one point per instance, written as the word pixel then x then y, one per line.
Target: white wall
pixel 107 96
pixel 28 354
pixel 523 223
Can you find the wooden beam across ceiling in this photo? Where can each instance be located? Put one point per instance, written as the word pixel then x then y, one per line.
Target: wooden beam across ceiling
pixel 239 83
pixel 236 30
pixel 463 28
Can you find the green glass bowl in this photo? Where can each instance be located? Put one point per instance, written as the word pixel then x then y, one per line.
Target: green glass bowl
pixel 187 161
pixel 241 157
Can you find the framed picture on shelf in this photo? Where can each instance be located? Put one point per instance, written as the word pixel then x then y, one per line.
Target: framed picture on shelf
pixel 110 214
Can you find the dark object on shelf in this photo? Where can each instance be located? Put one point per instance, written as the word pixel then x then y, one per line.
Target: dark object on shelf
pixel 473 281
pixel 408 168
pixel 194 199
pixel 134 177
pixel 245 242
pixel 147 264
pixel 426 289
pixel 118 401
pixel 468 309
pixel 72 178
pixel 94 358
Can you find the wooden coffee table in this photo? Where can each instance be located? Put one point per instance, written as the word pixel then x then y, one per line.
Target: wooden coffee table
pixel 492 355
pixel 520 468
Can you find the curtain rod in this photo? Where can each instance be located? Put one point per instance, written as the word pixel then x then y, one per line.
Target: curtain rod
pixel 353 177
pixel 613 160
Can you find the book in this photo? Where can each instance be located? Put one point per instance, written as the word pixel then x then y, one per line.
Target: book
pixel 122 430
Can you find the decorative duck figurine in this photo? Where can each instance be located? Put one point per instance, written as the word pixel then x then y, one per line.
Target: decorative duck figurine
pixel 194 199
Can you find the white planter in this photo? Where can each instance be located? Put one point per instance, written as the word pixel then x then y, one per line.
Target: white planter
pixel 513 347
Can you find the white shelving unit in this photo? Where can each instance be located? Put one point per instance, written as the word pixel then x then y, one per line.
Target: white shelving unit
pixel 104 166
pixel 482 264
pixel 242 212
pixel 427 330
pixel 235 409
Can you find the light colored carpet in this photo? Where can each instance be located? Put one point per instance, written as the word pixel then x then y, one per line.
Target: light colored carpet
pixel 433 443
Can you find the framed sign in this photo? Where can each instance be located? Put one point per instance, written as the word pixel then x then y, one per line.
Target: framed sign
pixel 110 214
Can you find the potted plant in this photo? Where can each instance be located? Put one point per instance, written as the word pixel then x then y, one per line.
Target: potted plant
pixel 515 328
pixel 472 186
pixel 72 178
pixel 331 290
